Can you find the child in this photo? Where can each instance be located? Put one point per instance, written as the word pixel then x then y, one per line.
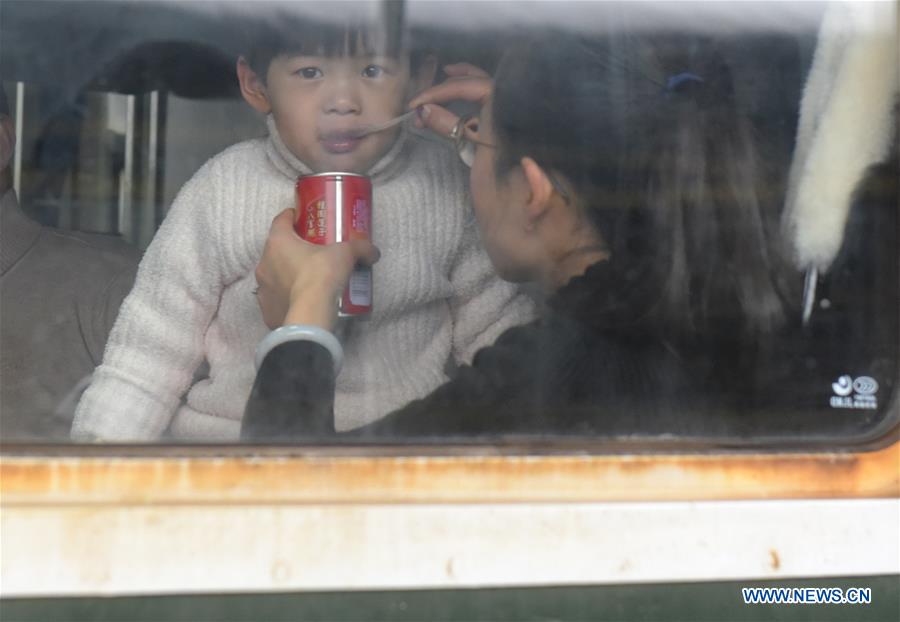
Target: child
pixel 436 294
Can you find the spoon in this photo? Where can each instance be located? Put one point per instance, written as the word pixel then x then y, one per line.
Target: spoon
pixel 380 127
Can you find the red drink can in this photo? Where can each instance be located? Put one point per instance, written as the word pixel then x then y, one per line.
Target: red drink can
pixel 336 207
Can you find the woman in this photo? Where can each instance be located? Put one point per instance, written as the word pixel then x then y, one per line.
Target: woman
pixel 617 175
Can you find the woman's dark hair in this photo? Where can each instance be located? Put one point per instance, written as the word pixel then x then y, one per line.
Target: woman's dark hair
pixel 644 128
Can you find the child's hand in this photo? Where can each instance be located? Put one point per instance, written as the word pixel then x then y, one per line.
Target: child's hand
pixel 466 82
pixel 299 282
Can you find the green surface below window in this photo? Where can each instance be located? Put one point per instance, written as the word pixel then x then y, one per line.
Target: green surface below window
pixel 694 602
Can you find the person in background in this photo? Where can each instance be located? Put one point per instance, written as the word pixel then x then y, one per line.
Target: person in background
pixel 617 173
pixel 436 297
pixel 60 292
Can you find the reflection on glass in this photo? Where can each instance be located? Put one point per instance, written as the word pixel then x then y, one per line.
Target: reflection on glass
pixel 738 253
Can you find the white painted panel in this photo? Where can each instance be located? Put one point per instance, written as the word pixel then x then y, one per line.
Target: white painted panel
pixel 195 549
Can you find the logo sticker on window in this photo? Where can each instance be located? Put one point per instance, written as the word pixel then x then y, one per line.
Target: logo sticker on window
pixel 854 394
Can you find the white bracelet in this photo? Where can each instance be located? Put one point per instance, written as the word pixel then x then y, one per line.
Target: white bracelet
pixel 298 332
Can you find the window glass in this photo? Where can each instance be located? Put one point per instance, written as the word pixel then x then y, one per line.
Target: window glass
pixel 662 221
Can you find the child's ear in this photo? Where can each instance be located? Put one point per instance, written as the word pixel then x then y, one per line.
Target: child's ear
pixel 252 87
pixel 424 76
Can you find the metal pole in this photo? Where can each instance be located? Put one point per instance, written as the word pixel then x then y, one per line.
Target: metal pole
pixel 126 185
pixel 20 125
pixel 147 224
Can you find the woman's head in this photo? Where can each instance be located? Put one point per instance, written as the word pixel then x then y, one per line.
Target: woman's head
pixel 643 133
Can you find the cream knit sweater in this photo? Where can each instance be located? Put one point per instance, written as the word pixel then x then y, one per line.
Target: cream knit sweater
pixel 436 297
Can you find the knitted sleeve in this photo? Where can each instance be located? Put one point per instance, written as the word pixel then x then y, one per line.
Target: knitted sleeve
pixel 483 305
pixel 157 340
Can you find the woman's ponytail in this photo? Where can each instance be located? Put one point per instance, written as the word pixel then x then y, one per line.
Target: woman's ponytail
pixel 646 130
pixel 723 263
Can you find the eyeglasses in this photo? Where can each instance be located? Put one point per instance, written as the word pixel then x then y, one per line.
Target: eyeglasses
pixel 466 146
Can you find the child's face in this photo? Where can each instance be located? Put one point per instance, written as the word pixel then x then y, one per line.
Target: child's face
pixel 319 101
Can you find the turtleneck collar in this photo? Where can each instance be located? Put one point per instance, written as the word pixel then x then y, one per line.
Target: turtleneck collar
pixel 293 167
pixel 18 233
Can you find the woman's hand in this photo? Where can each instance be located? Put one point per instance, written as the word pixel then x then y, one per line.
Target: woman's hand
pixel 299 282
pixel 465 82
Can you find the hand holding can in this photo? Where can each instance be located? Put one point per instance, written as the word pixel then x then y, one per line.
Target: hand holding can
pixel 337 207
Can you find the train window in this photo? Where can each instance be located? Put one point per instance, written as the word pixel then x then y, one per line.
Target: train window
pixel 663 223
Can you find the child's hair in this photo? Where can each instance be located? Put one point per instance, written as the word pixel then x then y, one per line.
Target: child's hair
pixel 645 130
pixel 312 37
